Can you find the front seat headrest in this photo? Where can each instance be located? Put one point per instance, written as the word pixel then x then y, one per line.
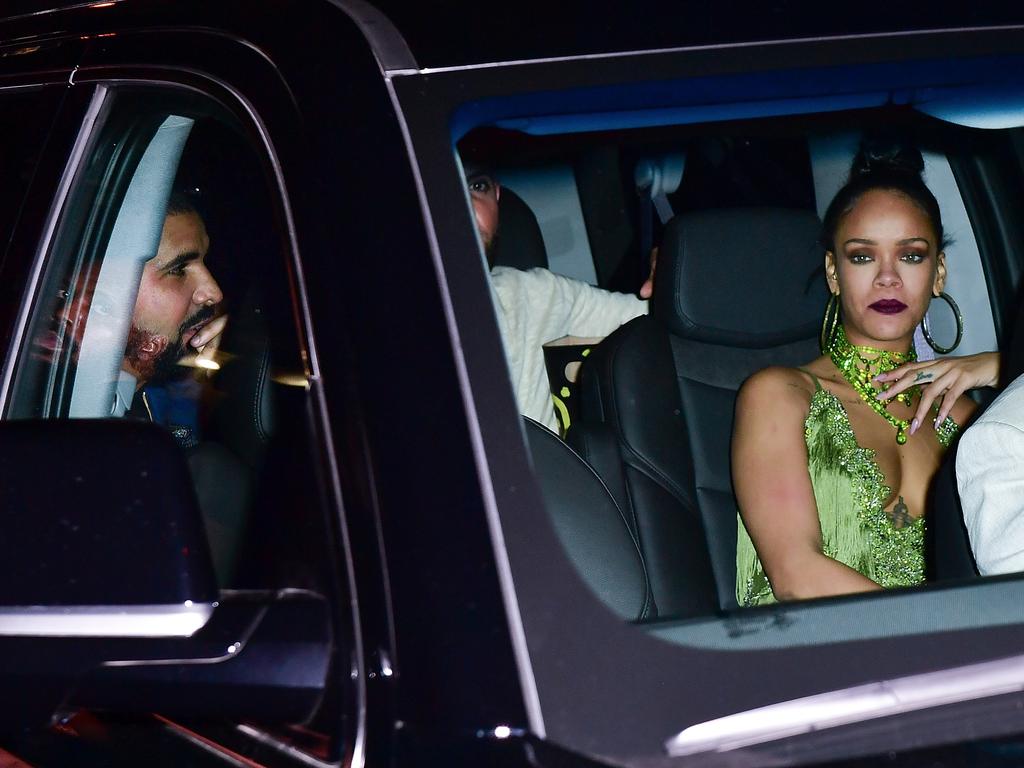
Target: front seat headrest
pixel 741 277
pixel 519 243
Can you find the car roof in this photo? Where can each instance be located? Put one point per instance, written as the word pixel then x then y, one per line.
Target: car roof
pixel 467 32
pixel 460 33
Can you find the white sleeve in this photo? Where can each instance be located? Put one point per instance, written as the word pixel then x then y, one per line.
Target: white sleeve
pixel 537 306
pixel 990 477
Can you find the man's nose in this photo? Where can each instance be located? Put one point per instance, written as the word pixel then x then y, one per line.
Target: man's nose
pixel 207 292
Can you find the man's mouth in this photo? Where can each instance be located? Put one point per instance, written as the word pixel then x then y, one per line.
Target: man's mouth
pixel 192 330
pixel 194 324
pixel 888 306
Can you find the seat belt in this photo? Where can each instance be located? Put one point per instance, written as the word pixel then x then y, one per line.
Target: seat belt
pixel 656 177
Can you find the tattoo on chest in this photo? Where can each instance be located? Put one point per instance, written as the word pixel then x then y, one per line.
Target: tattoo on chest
pixel 899 515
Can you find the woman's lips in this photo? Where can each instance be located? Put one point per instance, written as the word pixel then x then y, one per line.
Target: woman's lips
pixel 888 306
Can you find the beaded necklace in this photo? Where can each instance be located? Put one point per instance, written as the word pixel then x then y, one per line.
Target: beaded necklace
pixel 859 365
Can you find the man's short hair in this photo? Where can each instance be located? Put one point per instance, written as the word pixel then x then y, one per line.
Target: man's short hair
pixel 180 203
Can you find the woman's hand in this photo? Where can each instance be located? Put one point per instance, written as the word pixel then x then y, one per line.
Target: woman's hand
pixel 944 379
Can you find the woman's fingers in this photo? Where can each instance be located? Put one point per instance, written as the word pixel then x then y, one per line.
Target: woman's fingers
pixel 944 390
pixel 921 374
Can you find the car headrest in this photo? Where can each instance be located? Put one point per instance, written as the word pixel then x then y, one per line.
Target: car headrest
pixel 244 417
pixel 519 243
pixel 742 277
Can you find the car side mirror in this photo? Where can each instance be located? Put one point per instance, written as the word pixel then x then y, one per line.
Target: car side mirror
pixel 102 532
pixel 108 596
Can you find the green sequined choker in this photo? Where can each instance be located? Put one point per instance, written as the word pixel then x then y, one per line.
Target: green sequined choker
pixel 859 365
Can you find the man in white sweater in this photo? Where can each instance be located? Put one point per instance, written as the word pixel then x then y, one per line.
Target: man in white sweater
pixel 990 476
pixel 537 306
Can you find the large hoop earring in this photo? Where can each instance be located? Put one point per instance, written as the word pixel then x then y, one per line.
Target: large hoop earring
pixel 829 323
pixel 959 326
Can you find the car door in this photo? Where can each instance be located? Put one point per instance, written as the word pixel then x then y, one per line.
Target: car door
pixel 260 469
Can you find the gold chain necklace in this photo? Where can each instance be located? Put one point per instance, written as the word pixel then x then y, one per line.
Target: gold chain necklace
pixel 859 365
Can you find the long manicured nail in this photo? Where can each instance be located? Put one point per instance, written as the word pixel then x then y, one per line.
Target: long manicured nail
pixel 914 425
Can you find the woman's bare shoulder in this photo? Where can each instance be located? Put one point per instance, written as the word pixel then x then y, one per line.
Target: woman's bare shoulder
pixel 781 387
pixel 779 380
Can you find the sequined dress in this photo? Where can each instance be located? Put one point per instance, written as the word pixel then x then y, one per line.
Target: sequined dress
pixel 850 491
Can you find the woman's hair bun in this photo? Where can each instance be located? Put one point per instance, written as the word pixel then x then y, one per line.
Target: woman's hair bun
pixel 886 154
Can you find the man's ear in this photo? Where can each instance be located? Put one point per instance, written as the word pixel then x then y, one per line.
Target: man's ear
pixel 940 274
pixel 831 275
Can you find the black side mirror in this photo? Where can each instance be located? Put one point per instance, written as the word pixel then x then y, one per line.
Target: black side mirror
pixel 108 597
pixel 102 532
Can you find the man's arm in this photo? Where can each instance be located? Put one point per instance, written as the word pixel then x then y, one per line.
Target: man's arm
pixel 990 476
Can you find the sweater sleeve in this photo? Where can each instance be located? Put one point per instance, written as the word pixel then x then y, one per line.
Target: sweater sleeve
pixel 988 468
pixel 537 306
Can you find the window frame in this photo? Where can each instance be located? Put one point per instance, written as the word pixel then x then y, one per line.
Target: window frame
pixel 650 682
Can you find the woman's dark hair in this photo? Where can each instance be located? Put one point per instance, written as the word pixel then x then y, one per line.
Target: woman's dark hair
pixel 883 163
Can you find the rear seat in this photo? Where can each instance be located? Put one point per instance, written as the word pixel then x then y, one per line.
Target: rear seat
pixel 737 290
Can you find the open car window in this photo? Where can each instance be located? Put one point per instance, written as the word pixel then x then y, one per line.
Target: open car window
pixel 703 183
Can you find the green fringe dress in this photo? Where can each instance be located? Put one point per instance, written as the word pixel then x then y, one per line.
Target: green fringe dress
pixel 849 490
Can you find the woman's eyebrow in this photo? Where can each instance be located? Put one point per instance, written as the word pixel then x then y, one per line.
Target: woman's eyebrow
pixel 910 240
pixel 860 241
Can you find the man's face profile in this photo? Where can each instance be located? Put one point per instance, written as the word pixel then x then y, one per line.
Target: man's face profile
pixel 483 194
pixel 177 297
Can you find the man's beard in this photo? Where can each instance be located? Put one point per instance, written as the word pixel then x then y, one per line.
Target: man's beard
pixel 164 366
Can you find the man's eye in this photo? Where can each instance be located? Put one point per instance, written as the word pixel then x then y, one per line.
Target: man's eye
pixel 178 271
pixel 481 186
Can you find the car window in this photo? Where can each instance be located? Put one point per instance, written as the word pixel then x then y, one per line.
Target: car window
pixel 166 298
pixel 588 378
pixel 24 125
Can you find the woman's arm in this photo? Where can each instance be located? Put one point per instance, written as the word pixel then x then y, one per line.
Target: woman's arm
pixel 773 488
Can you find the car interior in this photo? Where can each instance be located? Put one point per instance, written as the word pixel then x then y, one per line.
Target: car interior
pixel 734 209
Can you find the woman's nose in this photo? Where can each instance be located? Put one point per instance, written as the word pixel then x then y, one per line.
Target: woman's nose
pixel 887 274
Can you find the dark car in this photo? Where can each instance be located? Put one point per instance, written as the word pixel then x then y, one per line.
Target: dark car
pixel 336 541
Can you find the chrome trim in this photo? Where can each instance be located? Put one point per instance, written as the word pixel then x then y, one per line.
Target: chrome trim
pixel 850 705
pixel 97 4
pixel 709 47
pixel 182 620
pixel 75 161
pixel 288 750
pixel 517 633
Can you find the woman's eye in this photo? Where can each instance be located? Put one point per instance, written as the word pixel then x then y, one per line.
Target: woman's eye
pixel 913 257
pixel 860 258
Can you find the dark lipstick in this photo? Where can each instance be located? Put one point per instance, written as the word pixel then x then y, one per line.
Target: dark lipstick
pixel 888 306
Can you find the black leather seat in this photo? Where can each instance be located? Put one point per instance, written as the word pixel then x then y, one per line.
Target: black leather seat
pixel 519 243
pixel 737 290
pixel 590 526
pixel 226 464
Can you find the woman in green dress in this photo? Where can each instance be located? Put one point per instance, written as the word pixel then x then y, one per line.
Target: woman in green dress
pixel 832 460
